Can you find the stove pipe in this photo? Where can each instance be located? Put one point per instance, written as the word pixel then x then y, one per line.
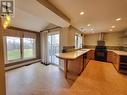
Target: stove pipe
pixel 101 41
pixel 101 37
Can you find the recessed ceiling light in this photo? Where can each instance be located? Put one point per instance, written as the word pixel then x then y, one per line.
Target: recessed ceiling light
pixel 113 26
pixel 118 19
pixel 81 13
pixel 88 24
pixel 110 29
pixel 92 29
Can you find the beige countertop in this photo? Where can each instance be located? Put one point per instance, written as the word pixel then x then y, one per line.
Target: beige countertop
pixel 77 53
pixel 72 55
pixel 124 53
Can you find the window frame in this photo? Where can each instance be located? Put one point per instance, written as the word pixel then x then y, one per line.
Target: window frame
pixel 21 51
pixel 34 56
pixel 77 36
pixel 15 60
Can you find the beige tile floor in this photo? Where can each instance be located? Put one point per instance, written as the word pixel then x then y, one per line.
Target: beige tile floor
pixel 98 78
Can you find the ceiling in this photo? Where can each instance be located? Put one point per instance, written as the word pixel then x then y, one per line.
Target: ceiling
pixel 31 15
pixel 28 21
pixel 101 14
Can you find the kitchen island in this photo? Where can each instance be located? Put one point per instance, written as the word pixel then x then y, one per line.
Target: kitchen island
pixel 72 56
pixel 113 56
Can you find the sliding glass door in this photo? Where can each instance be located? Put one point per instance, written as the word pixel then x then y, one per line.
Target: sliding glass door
pixel 53 48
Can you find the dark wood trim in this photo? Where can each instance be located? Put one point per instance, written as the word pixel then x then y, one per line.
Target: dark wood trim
pixel 2 71
pixel 50 29
pixel 21 48
pixel 21 29
pixel 38 46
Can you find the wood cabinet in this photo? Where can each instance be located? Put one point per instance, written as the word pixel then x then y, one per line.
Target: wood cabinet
pixel 116 60
pixel 90 55
pixel 75 66
pixel 78 64
pixel 119 61
pixel 109 56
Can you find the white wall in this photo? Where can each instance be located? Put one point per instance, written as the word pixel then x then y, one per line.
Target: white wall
pixel 63 37
pixel 67 38
pixel 111 39
pixel 91 39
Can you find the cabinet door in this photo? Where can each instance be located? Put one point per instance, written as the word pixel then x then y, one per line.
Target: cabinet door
pixel 90 55
pixel 116 60
pixel 109 56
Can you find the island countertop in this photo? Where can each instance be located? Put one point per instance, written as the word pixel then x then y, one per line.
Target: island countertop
pixel 72 55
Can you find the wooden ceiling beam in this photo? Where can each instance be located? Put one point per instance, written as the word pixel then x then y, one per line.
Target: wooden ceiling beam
pixel 51 7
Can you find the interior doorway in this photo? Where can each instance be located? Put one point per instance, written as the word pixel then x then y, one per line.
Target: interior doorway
pixel 53 48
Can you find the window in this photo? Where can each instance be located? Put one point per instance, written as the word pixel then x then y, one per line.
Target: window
pixel 28 47
pixel 78 41
pixel 20 47
pixel 13 48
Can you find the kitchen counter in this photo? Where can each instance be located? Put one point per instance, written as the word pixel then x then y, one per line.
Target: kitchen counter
pixel 115 59
pixel 119 52
pixel 124 53
pixel 72 55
